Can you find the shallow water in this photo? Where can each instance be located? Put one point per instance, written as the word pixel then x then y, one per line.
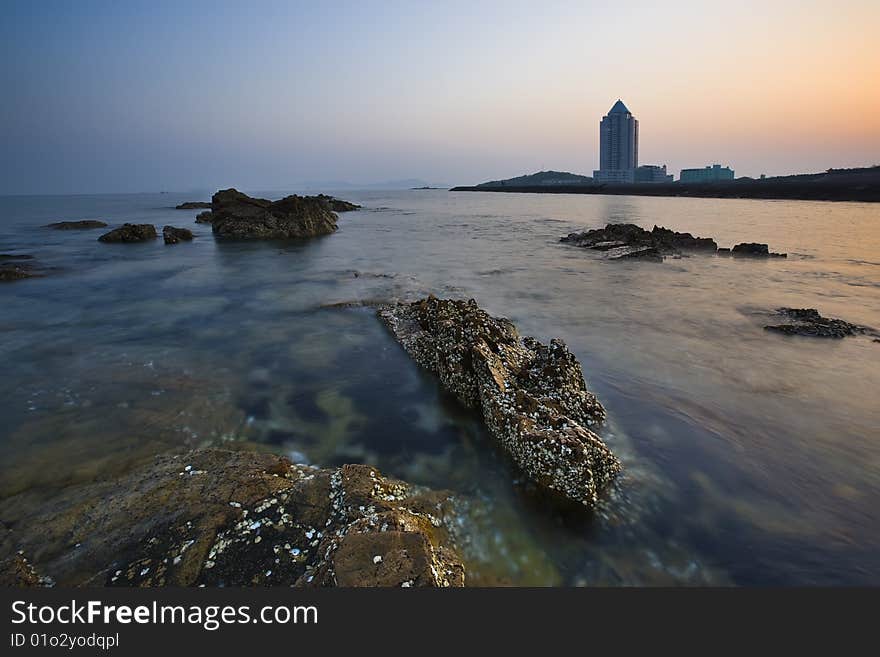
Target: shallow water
pixel 750 457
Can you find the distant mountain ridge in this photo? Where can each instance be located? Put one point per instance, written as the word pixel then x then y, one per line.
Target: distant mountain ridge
pixel 337 185
pixel 542 178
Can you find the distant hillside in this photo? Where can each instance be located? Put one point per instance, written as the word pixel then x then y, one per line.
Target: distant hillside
pixel 541 178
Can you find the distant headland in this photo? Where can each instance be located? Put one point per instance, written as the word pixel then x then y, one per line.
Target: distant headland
pixel 861 184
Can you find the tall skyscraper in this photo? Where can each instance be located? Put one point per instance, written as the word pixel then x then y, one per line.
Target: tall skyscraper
pixel 618 146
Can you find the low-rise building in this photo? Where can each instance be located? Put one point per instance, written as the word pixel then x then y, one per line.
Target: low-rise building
pixel 714 173
pixel 651 173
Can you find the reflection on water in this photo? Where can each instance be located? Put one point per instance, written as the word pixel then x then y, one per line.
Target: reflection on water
pixel 750 458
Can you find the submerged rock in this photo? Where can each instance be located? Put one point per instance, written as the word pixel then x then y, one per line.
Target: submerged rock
pixel 808 321
pixel 205 217
pixel 17 267
pixel 85 224
pixel 130 233
pixel 532 396
pixel 193 205
pixel 631 241
pixel 215 517
pixel 174 235
pixel 239 216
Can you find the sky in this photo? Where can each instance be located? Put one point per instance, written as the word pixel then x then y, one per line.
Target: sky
pixel 147 96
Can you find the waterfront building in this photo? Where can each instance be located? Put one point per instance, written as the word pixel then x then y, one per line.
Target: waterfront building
pixel 618 146
pixel 652 173
pixel 714 173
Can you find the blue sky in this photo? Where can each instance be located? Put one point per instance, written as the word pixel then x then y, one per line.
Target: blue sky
pixel 143 96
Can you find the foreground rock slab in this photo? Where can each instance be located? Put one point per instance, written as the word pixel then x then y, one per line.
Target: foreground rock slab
pixel 173 235
pixel 532 396
pixel 808 322
pixel 215 517
pixel 84 224
pixel 236 215
pixel 619 241
pixel 130 233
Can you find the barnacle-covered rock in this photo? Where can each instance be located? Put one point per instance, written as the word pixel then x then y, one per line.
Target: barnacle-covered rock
pixel 130 233
pixel 532 396
pixel 215 517
pixel 236 215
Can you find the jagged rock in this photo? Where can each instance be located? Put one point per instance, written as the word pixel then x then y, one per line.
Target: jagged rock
pixel 17 267
pixel 174 235
pixel 755 249
pixel 77 225
pixel 629 241
pixel 216 517
pixel 238 216
pixel 808 321
pixel 532 396
pixel 205 217
pixel 338 205
pixel 130 233
pixel 193 205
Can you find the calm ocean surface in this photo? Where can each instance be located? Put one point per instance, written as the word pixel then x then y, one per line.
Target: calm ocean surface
pixel 750 457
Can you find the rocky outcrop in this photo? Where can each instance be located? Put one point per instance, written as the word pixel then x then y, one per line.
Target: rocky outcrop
pixel 17 267
pixel 338 205
pixel 238 216
pixel 755 250
pixel 215 517
pixel 193 205
pixel 532 396
pixel 174 235
pixel 205 217
pixel 130 233
pixel 619 241
pixel 808 322
pixel 84 224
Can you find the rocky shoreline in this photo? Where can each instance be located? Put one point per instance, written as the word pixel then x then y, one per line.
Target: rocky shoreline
pixel 532 396
pixel 623 241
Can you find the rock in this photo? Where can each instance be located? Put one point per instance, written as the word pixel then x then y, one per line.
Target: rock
pixel 338 205
pixel 215 517
pixel 130 233
pixel 629 240
pixel 808 321
pixel 238 216
pixel 532 396
pixel 755 249
pixel 205 217
pixel 618 252
pixel 17 572
pixel 17 267
pixel 77 225
pixel 174 235
pixel 193 205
